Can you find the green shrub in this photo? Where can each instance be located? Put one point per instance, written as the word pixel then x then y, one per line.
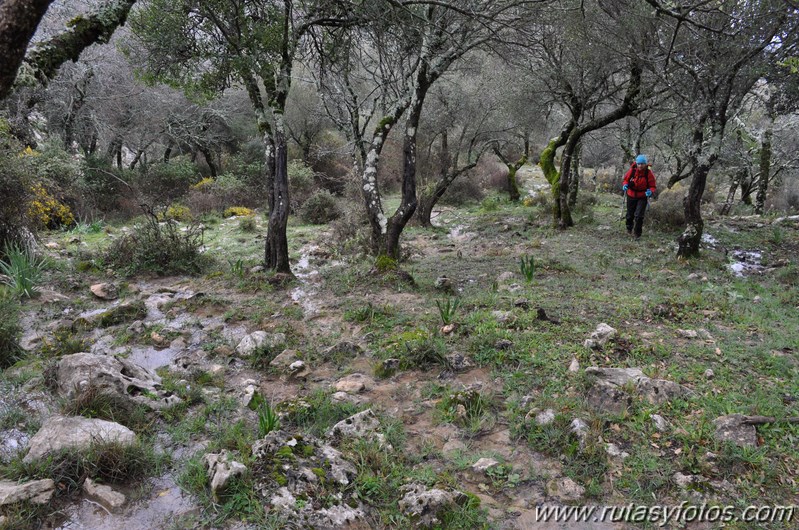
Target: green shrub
pixel 462 191
pixel 165 182
pixel 668 212
pixel 247 224
pixel 159 248
pixel 301 183
pixel 10 330
pixel 320 208
pixel 15 183
pixel 102 186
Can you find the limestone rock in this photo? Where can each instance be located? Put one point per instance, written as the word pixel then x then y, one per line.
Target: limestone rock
pixel 688 333
pixel 600 337
pixel 503 317
pixel 75 433
pixel 484 464
pixel 545 418
pixel 353 384
pixel 105 495
pixel 105 291
pixel 613 388
pixel 285 359
pixel 709 374
pixel 259 339
pixel 81 373
pixel 443 284
pixel 36 492
pixel 221 469
pixel 343 397
pixel 423 506
pixel 453 446
pixel 564 489
pixel 614 451
pixel 344 348
pixel 459 362
pixel 732 428
pixel 125 312
pixel 574 366
pixel 361 425
pixel 660 422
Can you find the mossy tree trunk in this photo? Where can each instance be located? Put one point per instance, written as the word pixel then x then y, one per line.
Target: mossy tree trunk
pixel 765 168
pixel 513 167
pixel 18 22
pixel 574 184
pixel 46 57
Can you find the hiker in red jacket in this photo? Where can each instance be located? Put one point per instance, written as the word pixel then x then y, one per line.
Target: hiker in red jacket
pixel 639 185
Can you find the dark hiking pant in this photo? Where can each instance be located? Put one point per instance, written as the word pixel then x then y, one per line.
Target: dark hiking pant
pixel 635 215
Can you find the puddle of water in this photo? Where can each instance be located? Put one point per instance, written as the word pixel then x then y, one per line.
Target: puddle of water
pixel 165 503
pixel 745 262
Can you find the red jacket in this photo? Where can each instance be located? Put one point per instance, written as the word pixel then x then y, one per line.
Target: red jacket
pixel 638 182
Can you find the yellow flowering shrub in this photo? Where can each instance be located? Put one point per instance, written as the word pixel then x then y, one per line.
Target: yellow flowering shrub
pixel 177 212
pixel 528 201
pixel 204 185
pixel 47 211
pixel 238 211
pixel 28 151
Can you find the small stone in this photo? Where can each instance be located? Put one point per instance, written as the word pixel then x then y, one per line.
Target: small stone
pixel 36 492
pixel 484 464
pixel 352 384
pixel 503 344
pixel 453 446
pixel 221 470
pixel 503 317
pixel 137 327
pixel 545 418
pixel 216 369
pixel 444 284
pixel 733 428
pixel 448 328
pixel 223 351
pixel 660 422
pixel 52 245
pixel 757 299
pixel 564 489
pixel 693 276
pixel 105 495
pixel 105 291
pixel 709 374
pixel 285 359
pixel 580 428
pixel 522 303
pixel 257 269
pixel 614 451
pixel 343 397
pixel 687 333
pixel 683 481
pixel 574 366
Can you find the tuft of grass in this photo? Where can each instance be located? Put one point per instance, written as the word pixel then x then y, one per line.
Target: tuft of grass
pixel 93 402
pixel 447 309
pixel 10 330
pixel 21 270
pixel 527 267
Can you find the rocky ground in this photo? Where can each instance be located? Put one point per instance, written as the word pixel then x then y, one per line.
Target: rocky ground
pixel 460 393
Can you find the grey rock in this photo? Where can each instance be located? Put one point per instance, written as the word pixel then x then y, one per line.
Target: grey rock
pixel 36 492
pixel 484 464
pixel 564 489
pixel 285 359
pixel 661 425
pixel 424 506
pixel 259 339
pixel 574 366
pixel 105 291
pixel 75 433
pixel 709 374
pixel 459 362
pixel 444 284
pixel 452 446
pixel 545 418
pixel 614 388
pixel 82 373
pixel 344 348
pixel 361 425
pixel 12 442
pixel 353 384
pixel 614 451
pixel 222 469
pixel 732 428
pixel 600 337
pixel 503 317
pixel 105 495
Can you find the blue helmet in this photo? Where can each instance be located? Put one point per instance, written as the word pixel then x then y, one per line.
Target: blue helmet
pixel 640 159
